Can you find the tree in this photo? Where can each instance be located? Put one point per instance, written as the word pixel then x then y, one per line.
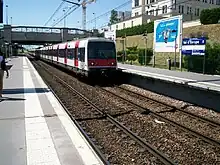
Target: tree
pixel 113 17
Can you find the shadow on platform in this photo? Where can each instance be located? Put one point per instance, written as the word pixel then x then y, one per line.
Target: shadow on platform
pixel 24 90
pixel 11 99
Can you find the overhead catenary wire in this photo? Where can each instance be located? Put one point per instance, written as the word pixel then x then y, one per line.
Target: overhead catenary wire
pixel 58 8
pixel 108 12
pixel 65 15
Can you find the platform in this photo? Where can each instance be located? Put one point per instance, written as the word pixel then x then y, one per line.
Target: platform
pixel 35 129
pixel 207 82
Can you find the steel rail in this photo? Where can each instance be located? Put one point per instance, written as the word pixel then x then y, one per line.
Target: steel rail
pixel 162 157
pixel 97 151
pixel 214 123
pixel 192 132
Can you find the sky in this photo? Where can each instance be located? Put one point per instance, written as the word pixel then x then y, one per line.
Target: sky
pixel 38 12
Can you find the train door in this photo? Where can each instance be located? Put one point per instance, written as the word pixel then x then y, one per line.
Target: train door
pixel 57 53
pixel 81 58
pixel 65 54
pixel 76 54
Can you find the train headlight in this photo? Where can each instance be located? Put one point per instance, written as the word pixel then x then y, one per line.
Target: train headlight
pixel 113 63
pixel 92 63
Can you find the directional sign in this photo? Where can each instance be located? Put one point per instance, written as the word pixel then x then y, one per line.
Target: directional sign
pixel 193 46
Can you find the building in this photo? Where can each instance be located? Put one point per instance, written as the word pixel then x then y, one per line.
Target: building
pixel 122 15
pixel 144 11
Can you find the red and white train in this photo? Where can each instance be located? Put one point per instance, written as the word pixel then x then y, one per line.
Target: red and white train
pixel 89 56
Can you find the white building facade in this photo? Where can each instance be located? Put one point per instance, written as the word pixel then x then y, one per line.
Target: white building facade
pixel 148 10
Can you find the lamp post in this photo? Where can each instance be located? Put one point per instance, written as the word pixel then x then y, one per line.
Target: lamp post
pixel 145 38
pixel 64 23
pixel 94 20
pixel 175 31
pixel 6 14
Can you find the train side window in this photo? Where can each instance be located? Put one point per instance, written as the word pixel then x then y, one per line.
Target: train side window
pixel 82 54
pixel 70 53
pixel 61 52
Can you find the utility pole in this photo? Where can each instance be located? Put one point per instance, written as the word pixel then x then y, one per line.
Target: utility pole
pixel 1 11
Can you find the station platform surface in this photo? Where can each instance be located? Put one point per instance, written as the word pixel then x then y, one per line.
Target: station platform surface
pixel 35 129
pixel 207 82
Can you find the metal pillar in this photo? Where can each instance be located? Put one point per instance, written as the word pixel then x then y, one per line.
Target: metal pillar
pixel 1 11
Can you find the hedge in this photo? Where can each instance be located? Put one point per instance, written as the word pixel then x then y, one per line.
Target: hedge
pixel 210 16
pixel 212 60
pixel 136 30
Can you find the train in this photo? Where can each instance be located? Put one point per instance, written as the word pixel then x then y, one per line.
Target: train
pixel 88 57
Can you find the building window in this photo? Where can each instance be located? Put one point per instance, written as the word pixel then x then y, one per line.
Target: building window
pixel 174 5
pixel 156 12
pixel 164 9
pixel 116 26
pixel 189 10
pixel 205 1
pixel 197 12
pixel 132 23
pixel 136 3
pixel 211 2
pixel 146 2
pixel 147 12
pixel 151 12
pixel 136 14
pixel 152 1
pixel 181 9
pixel 123 25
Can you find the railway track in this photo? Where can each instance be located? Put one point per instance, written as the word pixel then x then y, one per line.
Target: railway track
pixel 168 139
pixel 97 112
pixel 173 108
pixel 167 120
pixel 96 149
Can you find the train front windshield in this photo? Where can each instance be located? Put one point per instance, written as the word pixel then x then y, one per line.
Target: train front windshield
pixel 101 50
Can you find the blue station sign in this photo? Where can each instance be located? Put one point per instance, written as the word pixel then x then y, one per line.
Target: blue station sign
pixel 193 46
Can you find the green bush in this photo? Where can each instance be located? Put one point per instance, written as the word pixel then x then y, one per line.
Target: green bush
pixel 210 16
pixel 212 60
pixel 136 30
pixel 132 57
pixel 141 55
pixel 119 56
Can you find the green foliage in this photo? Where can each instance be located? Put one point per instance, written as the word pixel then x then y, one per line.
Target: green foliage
pixel 136 30
pixel 100 35
pixel 212 60
pixel 120 56
pixel 132 57
pixel 133 53
pixel 141 55
pixel 210 16
pixel 113 17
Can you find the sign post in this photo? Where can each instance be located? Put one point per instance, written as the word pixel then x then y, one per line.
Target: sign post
pixel 194 47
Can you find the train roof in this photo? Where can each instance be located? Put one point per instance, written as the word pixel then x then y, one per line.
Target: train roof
pixel 64 44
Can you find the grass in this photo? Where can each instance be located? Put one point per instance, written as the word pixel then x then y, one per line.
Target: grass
pixel 212 31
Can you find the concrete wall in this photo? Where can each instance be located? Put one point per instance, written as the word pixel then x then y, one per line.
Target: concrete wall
pixel 185 93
